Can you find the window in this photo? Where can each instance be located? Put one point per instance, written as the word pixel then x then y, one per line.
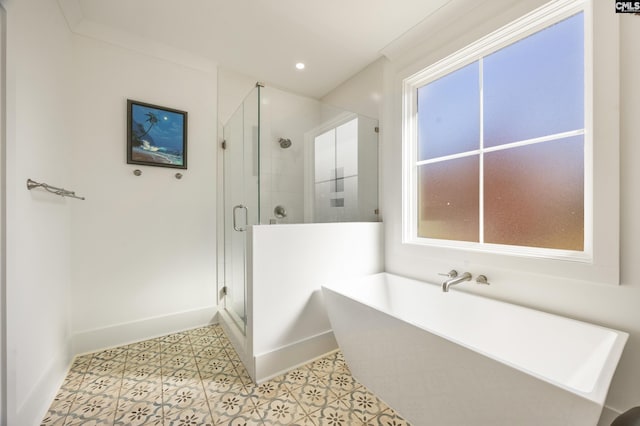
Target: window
pixel 497 142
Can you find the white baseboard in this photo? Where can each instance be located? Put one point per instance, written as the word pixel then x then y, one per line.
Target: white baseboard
pixel 274 363
pixel 240 342
pixel 36 405
pixel 148 328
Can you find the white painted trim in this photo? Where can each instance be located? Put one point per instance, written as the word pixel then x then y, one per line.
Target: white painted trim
pixel 3 242
pixel 239 341
pixel 271 364
pixel 125 333
pixel 39 399
pixel 79 25
pixel 537 20
pixel 72 12
pixel 604 55
pixel 530 23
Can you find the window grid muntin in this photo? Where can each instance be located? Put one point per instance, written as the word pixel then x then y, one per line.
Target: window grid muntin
pixel 532 23
pixel 481 159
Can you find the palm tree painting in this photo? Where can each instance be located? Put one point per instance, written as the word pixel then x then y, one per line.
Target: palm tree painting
pixel 152 119
pixel 156 136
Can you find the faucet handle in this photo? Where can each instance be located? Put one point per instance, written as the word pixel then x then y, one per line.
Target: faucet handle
pixel 452 274
pixel 482 279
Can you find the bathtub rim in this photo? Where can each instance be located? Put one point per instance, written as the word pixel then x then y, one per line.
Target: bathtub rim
pixel 601 385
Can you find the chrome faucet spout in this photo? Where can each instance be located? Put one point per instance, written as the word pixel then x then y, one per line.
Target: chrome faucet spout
pixel 455 280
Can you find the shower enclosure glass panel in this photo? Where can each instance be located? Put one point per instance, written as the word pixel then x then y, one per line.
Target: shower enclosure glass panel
pixel 345 171
pixel 291 159
pixel 327 171
pixel 241 200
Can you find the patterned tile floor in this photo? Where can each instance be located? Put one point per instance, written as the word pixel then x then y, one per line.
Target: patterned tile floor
pixel 196 378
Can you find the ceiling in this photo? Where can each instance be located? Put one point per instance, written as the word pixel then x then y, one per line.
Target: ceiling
pixel 260 38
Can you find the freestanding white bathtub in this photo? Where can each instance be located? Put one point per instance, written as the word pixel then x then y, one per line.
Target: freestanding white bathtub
pixel 457 359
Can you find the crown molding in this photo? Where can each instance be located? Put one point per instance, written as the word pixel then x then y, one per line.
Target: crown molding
pixel 79 25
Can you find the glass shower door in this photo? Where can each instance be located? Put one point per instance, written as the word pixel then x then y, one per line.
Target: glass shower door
pixel 241 201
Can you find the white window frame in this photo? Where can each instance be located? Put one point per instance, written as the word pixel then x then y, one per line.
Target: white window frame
pixel 531 23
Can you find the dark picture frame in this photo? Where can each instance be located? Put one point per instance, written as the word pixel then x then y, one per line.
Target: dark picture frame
pixel 156 135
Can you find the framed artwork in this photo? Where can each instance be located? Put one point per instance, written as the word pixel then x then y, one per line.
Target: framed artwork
pixel 156 135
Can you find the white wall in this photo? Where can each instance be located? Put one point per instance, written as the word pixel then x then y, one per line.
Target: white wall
pixel 3 340
pixel 284 115
pixel 288 323
pixel 609 305
pixel 144 260
pixel 362 93
pixel 140 251
pixel 38 254
pixel 233 88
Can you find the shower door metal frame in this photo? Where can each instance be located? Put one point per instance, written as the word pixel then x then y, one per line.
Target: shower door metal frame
pixel 241 192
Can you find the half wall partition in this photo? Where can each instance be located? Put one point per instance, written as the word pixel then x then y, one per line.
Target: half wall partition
pixel 288 159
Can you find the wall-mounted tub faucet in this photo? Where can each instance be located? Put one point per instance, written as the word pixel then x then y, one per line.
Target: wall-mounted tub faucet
pixel 482 279
pixel 455 279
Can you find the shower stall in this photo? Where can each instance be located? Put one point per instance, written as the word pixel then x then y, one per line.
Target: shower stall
pixel 288 159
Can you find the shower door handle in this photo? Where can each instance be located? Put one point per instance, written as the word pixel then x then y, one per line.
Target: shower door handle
pixel 246 216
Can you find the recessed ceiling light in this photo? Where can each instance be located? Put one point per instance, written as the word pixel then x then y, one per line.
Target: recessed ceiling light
pixel 300 65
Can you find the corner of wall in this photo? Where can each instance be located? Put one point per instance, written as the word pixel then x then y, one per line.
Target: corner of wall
pixel 125 333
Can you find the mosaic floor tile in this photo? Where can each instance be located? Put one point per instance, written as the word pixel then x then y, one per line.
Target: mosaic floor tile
pixel 234 406
pixel 210 352
pixel 195 378
pixel 323 366
pixel 264 391
pixel 222 382
pixel 142 372
pixel 188 417
pixel 298 377
pixel 210 368
pixel 306 420
pixel 139 391
pixel 336 415
pixel 366 405
pixel 91 407
pixel 89 422
pixel 390 418
pixel 55 418
pixel 313 398
pixel 281 411
pixel 342 383
pixel 204 341
pixel 147 345
pixel 81 363
pixel 63 400
pixel 183 397
pixel 139 413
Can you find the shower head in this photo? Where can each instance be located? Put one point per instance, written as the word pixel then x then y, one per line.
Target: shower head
pixel 284 143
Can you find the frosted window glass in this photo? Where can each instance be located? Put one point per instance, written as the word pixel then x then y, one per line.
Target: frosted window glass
pixel 448 199
pixel 449 114
pixel 534 195
pixel 347 148
pixel 535 87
